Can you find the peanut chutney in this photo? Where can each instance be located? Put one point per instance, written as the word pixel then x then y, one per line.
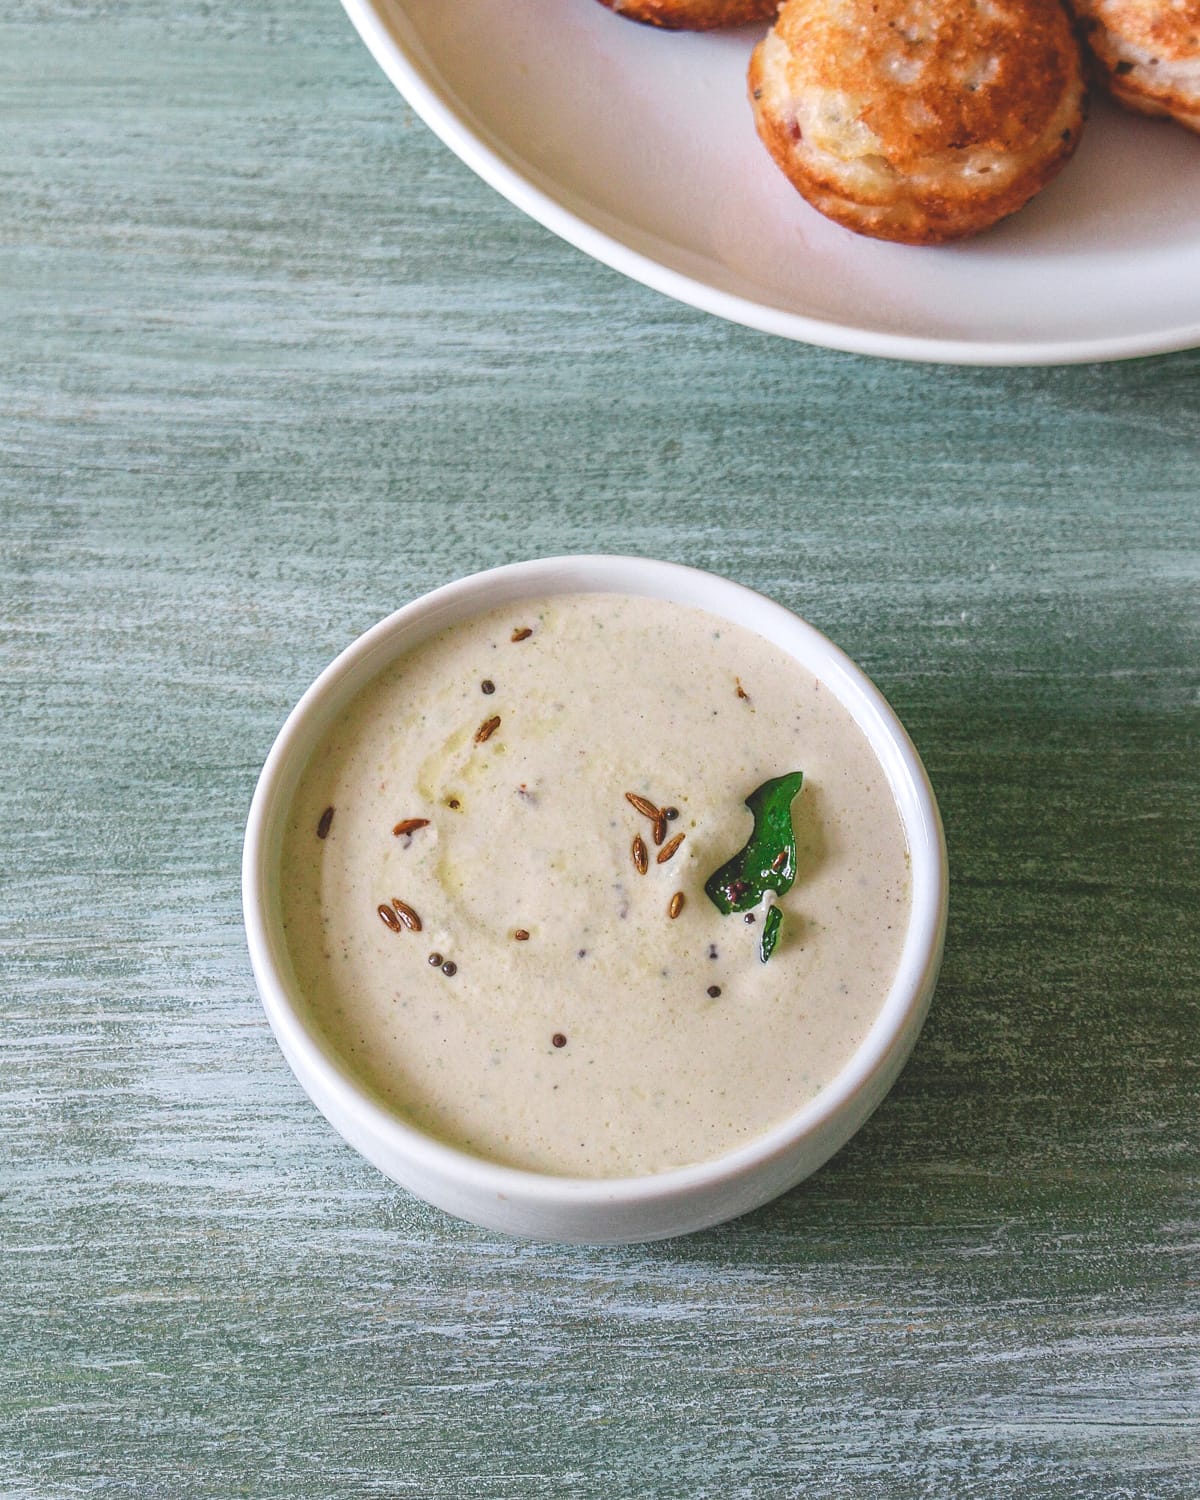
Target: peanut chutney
pixel 536 798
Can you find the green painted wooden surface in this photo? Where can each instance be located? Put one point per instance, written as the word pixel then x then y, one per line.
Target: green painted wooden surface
pixel 274 362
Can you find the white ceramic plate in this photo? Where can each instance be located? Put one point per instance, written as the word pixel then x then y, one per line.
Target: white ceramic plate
pixel 638 146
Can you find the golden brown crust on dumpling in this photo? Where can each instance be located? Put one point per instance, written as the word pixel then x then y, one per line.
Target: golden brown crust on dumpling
pixel 694 15
pixel 1147 54
pixel 917 120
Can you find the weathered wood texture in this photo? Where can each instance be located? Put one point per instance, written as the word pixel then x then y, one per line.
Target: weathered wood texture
pixel 273 363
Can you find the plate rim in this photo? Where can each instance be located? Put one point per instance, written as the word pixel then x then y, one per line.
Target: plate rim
pixel 422 90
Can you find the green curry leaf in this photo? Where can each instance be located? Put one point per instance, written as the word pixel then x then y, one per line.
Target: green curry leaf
pixel 770 932
pixel 768 861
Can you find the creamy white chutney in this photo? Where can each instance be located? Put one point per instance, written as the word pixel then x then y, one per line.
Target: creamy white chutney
pixel 613 1040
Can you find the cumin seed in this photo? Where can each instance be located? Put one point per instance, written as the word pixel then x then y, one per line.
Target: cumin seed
pixel 668 850
pixel 676 905
pixel 660 829
pixel 487 729
pixel 522 633
pixel 410 825
pixel 641 862
pixel 644 806
pixel 389 918
pixel 406 914
pixel 780 860
pixel 323 825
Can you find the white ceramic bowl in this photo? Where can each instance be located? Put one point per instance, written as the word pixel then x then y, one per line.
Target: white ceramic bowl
pixel 563 1208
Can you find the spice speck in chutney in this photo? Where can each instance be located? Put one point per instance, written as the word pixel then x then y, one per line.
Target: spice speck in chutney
pixel 406 914
pixel 643 805
pixel 409 825
pixel 668 850
pixel 324 824
pixel 488 686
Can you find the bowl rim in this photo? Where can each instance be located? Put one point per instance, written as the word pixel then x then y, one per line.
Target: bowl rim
pixel 315 1061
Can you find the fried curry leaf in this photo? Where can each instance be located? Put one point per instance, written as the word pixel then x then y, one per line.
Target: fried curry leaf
pixel 770 932
pixel 768 861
